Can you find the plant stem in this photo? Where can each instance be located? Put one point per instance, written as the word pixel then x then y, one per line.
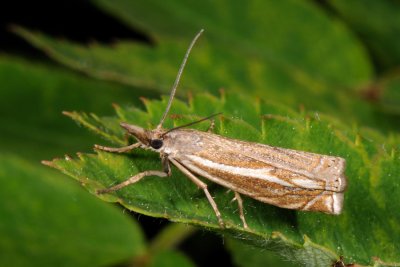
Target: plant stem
pixel 168 238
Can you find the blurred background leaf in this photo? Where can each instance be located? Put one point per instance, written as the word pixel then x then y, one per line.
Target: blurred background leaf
pixel 46 221
pixel 379 32
pixel 320 73
pixel 34 95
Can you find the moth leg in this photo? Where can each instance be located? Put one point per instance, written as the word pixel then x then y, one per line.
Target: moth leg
pixel 203 186
pixel 117 149
pixel 239 200
pixel 132 180
pixel 211 127
pixel 165 164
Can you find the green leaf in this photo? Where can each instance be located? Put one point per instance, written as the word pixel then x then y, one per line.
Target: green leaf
pixel 305 59
pixel 379 32
pixel 46 221
pixel 312 239
pixel 265 21
pixel 288 52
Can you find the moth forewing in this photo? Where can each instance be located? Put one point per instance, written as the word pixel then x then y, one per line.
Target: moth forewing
pixel 282 177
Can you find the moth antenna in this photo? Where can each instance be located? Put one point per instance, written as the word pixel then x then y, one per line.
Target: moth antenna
pixel 178 77
pixel 191 123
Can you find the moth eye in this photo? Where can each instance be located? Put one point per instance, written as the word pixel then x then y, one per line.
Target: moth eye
pixel 156 143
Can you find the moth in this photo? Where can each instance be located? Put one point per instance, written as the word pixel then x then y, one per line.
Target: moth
pixel 282 177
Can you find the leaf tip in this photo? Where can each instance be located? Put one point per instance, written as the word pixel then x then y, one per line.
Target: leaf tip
pixel 21 31
pixel 47 163
pixel 97 147
pixel 68 113
pixel 115 106
pixel 67 157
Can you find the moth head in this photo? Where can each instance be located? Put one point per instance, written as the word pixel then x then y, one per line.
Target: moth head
pixel 154 138
pixel 150 138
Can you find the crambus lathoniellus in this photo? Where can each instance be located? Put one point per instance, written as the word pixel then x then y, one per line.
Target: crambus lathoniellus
pixel 282 177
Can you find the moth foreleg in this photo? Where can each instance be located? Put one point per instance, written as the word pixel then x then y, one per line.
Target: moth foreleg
pixel 118 149
pixel 132 180
pixel 239 200
pixel 165 164
pixel 203 186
